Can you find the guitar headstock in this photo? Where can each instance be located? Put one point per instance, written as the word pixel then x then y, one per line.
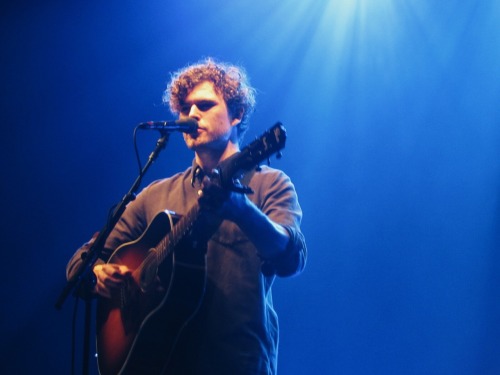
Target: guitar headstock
pixel 269 143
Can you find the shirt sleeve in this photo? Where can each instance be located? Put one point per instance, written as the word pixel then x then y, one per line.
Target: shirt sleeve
pixel 128 228
pixel 292 261
pixel 278 199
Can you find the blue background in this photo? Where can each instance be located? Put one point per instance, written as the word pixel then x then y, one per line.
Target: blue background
pixel 393 118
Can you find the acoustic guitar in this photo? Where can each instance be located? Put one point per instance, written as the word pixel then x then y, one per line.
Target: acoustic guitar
pixel 139 326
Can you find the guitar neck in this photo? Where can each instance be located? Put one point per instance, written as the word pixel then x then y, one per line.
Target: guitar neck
pixel 177 233
pixel 272 141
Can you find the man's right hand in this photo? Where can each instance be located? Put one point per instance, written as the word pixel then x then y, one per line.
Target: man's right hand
pixel 110 276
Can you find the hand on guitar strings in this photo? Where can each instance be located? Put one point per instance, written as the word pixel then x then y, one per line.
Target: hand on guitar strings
pixel 110 276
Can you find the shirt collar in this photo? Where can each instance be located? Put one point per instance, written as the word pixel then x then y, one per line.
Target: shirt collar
pixel 197 173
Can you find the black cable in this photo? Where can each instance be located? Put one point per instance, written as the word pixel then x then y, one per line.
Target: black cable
pixel 73 336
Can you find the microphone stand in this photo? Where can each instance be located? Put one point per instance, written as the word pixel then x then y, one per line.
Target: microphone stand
pixel 83 281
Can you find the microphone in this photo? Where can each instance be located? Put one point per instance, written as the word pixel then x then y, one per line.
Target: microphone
pixel 186 126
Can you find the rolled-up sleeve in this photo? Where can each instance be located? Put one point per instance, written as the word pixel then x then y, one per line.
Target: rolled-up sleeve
pixel 292 261
pixel 277 198
pixel 76 260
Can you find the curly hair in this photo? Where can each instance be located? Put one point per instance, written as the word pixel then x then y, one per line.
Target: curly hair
pixel 230 81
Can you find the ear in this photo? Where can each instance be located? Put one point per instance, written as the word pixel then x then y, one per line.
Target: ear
pixel 235 121
pixel 237 118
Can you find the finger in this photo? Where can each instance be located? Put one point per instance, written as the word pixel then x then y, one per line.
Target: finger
pixel 111 282
pixel 117 271
pixel 109 277
pixel 124 270
pixel 102 290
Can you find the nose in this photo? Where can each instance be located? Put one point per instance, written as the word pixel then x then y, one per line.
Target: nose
pixel 194 112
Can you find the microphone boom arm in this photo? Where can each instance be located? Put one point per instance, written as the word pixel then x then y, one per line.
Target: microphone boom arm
pixel 84 275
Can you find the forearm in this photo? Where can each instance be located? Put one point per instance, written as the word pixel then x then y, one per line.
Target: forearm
pixel 76 260
pixel 281 247
pixel 270 239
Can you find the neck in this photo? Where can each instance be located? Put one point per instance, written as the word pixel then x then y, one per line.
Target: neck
pixel 208 159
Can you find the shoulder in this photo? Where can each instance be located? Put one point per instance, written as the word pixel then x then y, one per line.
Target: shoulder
pixel 169 182
pixel 154 193
pixel 271 185
pixel 267 177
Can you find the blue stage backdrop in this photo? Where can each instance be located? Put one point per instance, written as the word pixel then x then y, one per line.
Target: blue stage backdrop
pixel 393 118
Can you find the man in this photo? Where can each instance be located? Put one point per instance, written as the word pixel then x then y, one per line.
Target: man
pixel 257 236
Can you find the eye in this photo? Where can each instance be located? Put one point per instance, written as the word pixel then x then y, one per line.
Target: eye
pixel 205 105
pixel 185 109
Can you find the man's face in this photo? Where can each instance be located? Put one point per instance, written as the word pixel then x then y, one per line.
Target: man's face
pixel 210 110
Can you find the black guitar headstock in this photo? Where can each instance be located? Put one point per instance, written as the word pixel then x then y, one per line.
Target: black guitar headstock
pixel 269 143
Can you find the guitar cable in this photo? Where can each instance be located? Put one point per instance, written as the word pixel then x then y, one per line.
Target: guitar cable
pixel 73 335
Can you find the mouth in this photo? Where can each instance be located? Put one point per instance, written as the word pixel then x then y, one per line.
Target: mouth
pixel 195 133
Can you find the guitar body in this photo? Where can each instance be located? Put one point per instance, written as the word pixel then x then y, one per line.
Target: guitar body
pixel 137 329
